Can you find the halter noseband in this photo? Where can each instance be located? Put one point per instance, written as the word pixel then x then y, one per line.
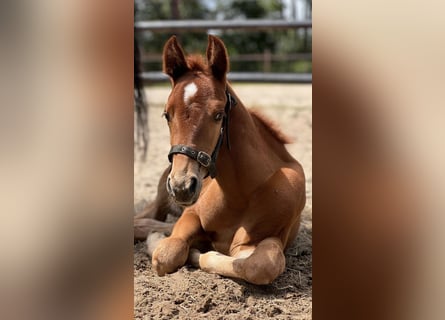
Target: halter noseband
pixel 203 158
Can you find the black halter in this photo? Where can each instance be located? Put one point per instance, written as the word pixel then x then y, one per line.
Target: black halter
pixel 203 158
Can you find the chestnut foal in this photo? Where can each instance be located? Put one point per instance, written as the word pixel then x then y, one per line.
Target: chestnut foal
pixel 239 190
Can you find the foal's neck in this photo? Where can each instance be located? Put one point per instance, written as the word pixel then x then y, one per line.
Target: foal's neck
pixel 246 165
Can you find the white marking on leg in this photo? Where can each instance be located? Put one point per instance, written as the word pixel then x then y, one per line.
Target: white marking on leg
pixel 215 262
pixel 153 240
pixel 189 91
pixel 244 253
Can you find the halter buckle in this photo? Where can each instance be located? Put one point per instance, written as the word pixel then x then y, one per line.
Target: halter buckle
pixel 203 159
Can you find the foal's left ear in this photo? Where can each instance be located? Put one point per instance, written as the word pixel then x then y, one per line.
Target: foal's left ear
pixel 217 58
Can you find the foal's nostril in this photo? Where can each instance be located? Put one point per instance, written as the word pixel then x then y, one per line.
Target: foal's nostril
pixel 193 185
pixel 184 190
pixel 169 187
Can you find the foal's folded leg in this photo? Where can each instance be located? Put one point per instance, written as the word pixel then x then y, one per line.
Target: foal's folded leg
pixel 152 218
pixel 143 227
pixel 259 265
pixel 162 205
pixel 172 252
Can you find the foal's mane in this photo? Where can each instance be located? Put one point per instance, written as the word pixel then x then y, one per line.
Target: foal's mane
pixel 197 63
pixel 270 126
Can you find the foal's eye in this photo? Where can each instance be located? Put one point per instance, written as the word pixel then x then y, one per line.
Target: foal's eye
pixel 219 116
pixel 166 116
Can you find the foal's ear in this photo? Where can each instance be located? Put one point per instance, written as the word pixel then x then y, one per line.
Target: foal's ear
pixel 174 63
pixel 217 57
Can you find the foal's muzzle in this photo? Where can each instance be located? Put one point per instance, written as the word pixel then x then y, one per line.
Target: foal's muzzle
pixel 184 189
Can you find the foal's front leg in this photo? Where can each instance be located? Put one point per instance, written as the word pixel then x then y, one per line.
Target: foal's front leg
pixel 172 252
pixel 143 227
pixel 258 265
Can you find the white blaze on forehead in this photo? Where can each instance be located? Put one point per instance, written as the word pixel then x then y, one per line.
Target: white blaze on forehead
pixel 189 91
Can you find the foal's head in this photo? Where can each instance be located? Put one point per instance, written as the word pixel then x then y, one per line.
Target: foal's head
pixel 195 113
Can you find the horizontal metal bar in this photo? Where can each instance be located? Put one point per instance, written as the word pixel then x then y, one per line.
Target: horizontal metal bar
pixel 250 57
pixel 154 76
pixel 203 25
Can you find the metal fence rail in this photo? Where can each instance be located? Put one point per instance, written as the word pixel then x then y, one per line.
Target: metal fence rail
pixel 157 76
pixel 157 57
pixel 203 25
pixel 206 25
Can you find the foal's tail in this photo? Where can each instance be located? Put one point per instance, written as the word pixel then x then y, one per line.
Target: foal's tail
pixel 140 105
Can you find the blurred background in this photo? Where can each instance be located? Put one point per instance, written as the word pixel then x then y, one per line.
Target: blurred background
pixel 258 47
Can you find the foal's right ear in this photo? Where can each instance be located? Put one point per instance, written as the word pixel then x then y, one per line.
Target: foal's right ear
pixel 174 63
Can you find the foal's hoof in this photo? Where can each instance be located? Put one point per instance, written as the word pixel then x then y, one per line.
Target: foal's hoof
pixel 158 268
pixel 169 255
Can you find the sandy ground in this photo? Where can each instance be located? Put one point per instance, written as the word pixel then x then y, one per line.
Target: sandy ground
pixel 194 294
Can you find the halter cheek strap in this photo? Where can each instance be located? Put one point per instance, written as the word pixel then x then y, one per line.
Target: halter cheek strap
pixel 203 158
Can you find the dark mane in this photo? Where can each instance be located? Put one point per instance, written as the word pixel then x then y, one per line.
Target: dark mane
pixel 271 126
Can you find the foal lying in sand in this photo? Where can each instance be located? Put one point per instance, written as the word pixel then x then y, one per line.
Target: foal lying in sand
pixel 238 192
